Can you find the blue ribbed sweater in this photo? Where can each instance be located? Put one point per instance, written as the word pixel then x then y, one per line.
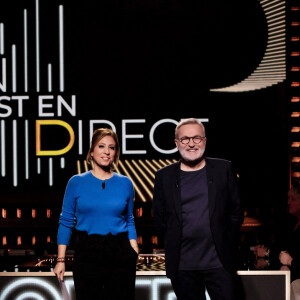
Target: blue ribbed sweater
pixel 88 207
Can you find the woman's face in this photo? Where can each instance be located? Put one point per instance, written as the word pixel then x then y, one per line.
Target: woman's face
pixel 294 204
pixel 104 152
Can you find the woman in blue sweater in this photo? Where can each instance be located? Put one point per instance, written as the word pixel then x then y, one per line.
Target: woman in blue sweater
pixel 99 205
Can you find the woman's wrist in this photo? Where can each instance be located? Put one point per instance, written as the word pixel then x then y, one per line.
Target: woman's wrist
pixel 61 259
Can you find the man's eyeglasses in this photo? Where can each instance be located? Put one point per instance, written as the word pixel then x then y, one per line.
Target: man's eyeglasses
pixel 196 139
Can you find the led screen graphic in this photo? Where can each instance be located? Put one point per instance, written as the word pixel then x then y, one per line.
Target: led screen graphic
pixel 47 287
pixel 263 284
pixel 138 67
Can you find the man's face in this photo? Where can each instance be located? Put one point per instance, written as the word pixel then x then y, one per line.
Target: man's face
pixel 191 151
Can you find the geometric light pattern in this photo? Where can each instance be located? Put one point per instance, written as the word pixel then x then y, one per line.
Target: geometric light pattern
pixel 44 285
pixel 39 289
pixel 272 68
pixel 141 172
pixel 34 284
pixel 294 86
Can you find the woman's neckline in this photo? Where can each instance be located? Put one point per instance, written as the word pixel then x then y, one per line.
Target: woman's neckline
pixel 104 178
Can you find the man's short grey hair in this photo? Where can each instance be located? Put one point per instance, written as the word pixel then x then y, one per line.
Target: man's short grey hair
pixel 186 122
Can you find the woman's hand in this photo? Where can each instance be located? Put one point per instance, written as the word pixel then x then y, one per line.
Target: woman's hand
pixel 60 267
pixel 285 258
pixel 134 245
pixel 59 270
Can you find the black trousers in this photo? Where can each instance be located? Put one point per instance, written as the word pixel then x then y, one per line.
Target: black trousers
pixel 220 285
pixel 104 267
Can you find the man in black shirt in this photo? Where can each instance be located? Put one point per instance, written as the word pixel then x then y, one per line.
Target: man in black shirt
pixel 198 213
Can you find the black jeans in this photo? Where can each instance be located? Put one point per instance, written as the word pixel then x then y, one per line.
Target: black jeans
pixel 104 267
pixel 220 285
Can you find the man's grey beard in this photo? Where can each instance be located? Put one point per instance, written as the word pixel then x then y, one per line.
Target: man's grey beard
pixel 191 162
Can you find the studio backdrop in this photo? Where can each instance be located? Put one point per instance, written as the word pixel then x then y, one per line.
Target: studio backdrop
pixel 139 67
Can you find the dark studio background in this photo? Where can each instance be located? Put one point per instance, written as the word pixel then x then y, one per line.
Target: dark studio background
pixel 153 60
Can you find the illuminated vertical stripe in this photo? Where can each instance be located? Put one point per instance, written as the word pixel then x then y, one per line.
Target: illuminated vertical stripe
pixel 25 53
pixel 15 157
pixel 38 165
pixel 3 165
pixel 85 165
pixel 3 86
pixel 80 137
pixel 62 162
pixel 78 167
pixel 14 68
pixel 49 78
pixel 50 171
pixel 61 49
pixel 37 45
pixel 26 150
pixel 1 38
